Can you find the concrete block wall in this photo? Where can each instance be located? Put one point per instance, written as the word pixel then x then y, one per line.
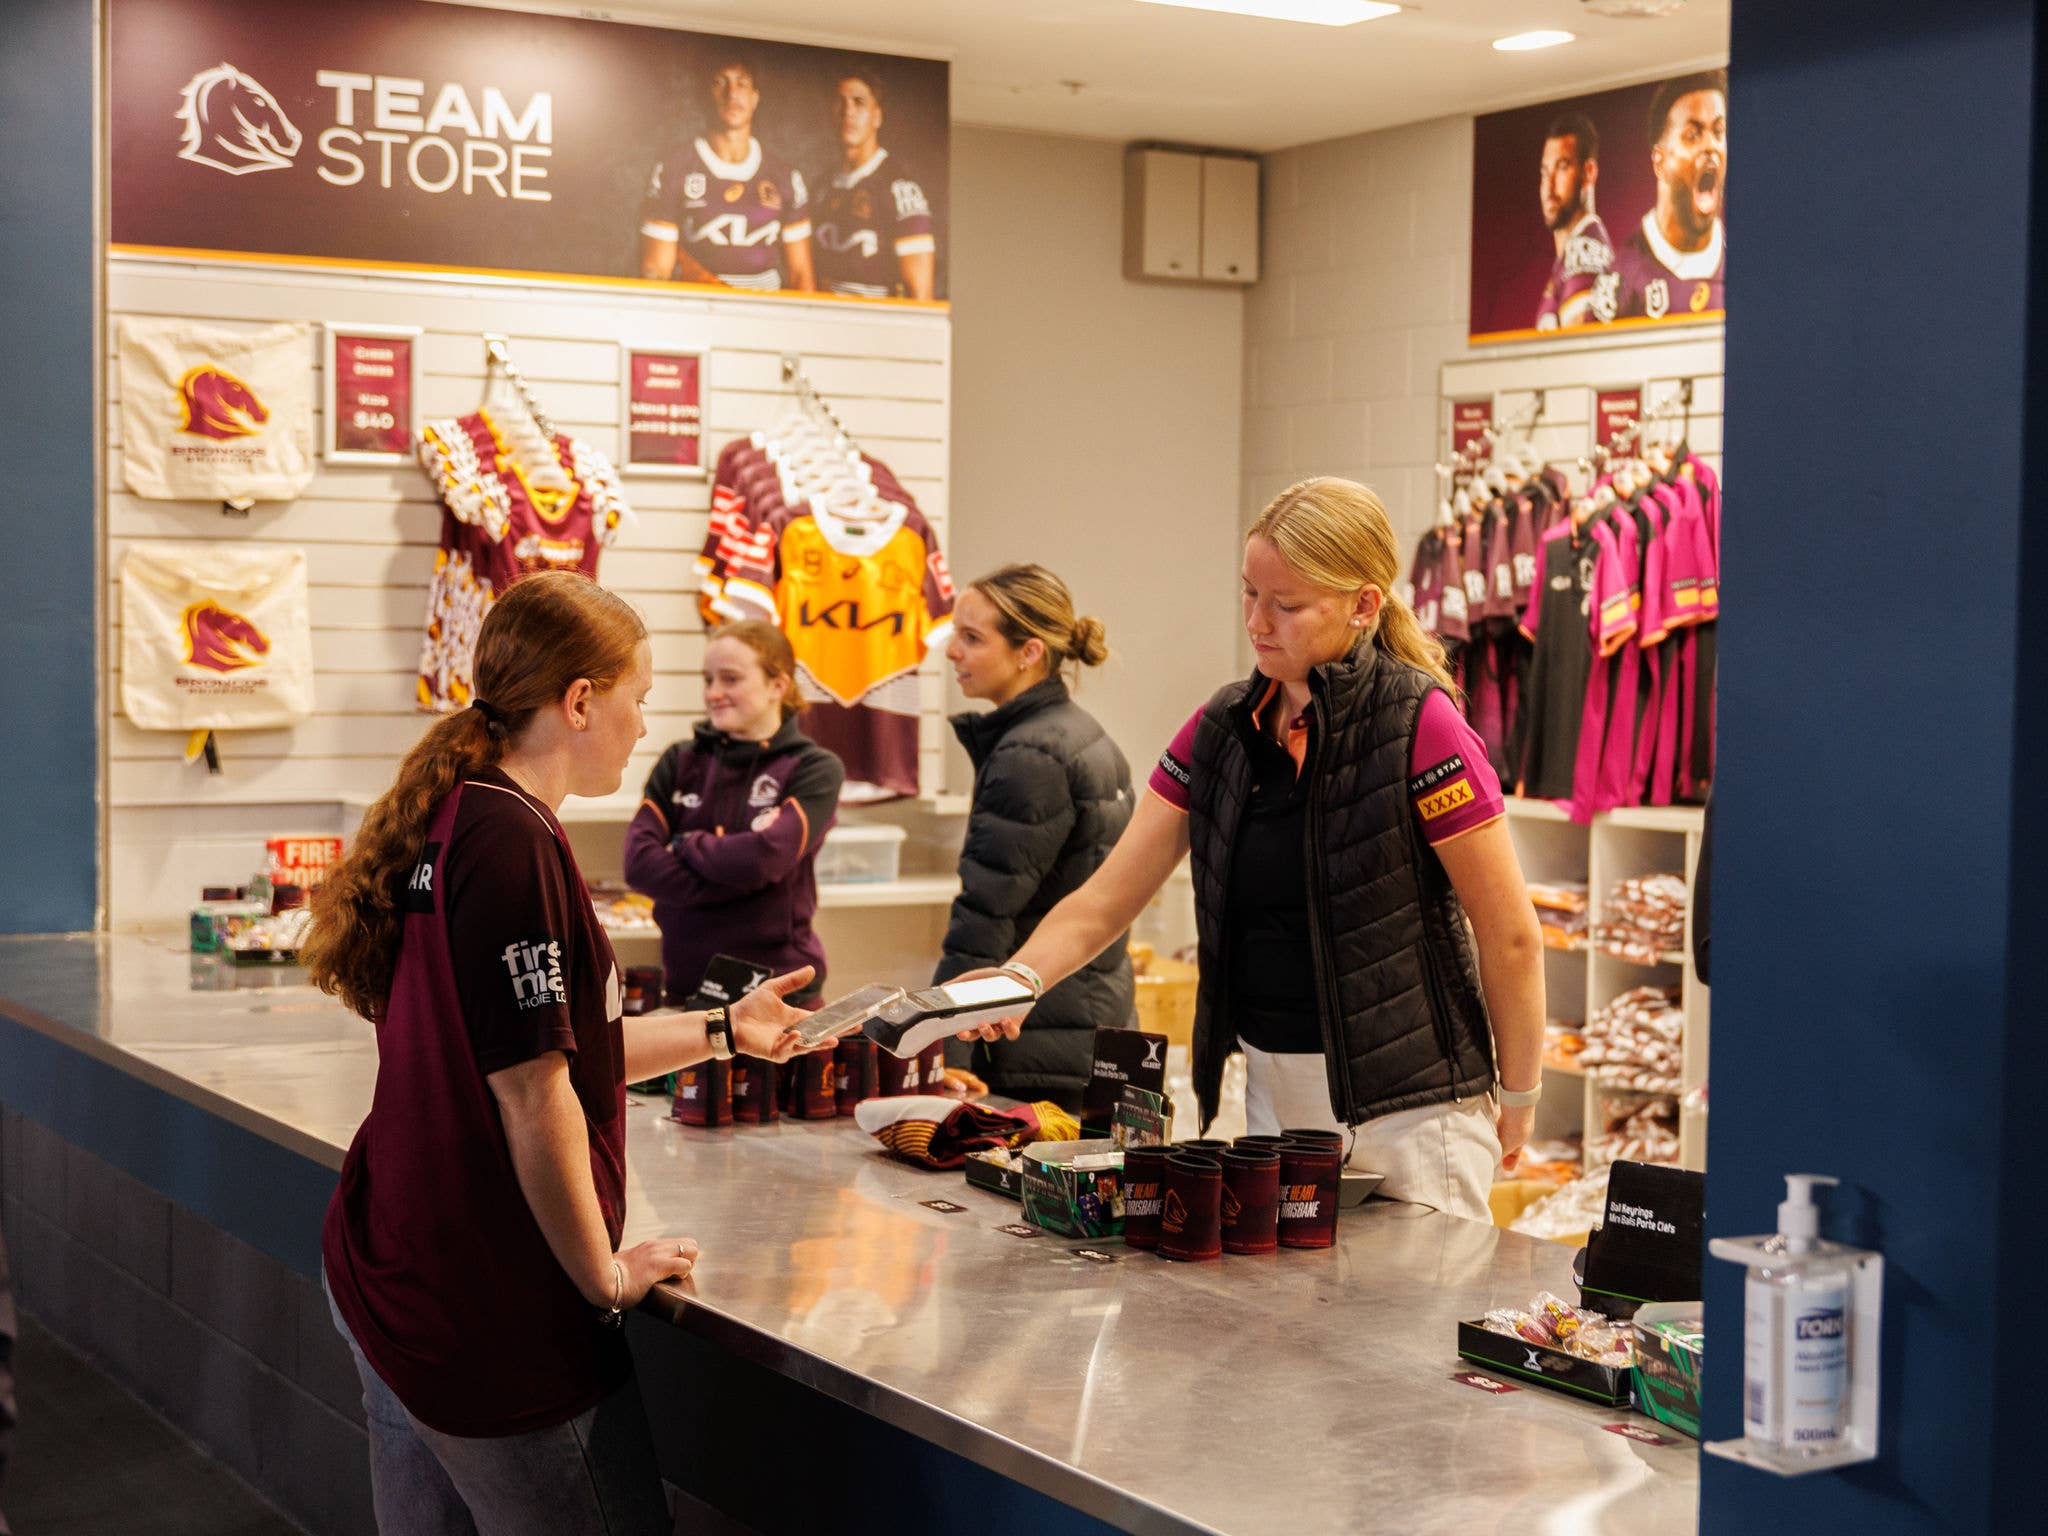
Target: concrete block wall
pixel 1364 296
pixel 228 1344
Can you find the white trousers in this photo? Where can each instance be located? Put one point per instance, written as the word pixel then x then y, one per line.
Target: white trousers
pixel 1441 1155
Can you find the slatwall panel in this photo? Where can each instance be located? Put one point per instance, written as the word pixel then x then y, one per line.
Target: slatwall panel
pixel 370 532
pixel 1567 375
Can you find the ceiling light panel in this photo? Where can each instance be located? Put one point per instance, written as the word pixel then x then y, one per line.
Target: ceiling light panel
pixel 1529 42
pixel 1321 13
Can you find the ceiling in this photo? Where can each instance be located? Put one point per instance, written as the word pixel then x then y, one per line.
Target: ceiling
pixel 1160 72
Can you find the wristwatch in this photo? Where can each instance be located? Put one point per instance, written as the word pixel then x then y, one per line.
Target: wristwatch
pixel 718 1030
pixel 1517 1098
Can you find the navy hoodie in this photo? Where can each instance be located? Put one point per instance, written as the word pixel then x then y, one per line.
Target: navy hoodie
pixel 726 842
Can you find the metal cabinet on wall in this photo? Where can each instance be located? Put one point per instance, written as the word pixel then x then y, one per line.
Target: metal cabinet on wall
pixel 1190 217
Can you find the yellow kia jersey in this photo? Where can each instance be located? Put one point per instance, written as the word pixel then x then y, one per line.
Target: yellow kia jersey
pixel 856 620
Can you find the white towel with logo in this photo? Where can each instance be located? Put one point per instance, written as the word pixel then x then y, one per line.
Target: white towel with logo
pixel 215 637
pixel 211 414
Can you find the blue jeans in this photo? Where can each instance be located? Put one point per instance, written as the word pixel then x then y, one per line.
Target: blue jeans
pixel 593 1476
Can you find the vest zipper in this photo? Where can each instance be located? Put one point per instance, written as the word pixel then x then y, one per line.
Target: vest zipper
pixel 1318 922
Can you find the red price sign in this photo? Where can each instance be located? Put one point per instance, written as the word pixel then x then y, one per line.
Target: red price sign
pixel 665 412
pixel 1470 420
pixel 1614 409
pixel 371 389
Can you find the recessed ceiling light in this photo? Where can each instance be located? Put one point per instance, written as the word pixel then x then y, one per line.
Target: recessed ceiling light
pixel 1322 13
pixel 1524 42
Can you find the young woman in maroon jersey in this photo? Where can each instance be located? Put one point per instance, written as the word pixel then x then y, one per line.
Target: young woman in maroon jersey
pixel 726 839
pixel 1344 824
pixel 472 1251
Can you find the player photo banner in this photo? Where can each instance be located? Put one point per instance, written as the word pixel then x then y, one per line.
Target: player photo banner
pixel 1602 210
pixel 411 136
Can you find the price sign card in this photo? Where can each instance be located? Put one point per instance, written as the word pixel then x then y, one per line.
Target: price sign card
pixel 372 392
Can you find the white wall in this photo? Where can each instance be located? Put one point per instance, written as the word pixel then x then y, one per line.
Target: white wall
pixel 1095 424
pixel 1363 300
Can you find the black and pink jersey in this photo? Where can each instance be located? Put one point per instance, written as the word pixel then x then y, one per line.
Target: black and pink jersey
pixel 867 220
pixel 1585 261
pixel 731 216
pixel 1656 279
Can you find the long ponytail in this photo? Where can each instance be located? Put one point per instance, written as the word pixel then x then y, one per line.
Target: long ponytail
pixel 544 634
pixel 1337 534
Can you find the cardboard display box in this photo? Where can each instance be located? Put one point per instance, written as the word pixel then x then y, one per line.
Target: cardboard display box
pixel 998 1178
pixel 1667 1371
pixel 1518 1358
pixel 1074 1202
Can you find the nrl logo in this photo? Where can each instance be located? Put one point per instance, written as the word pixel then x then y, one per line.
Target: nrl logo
pixel 220 640
pixel 233 124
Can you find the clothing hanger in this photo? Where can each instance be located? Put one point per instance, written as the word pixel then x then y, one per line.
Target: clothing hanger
pixel 524 426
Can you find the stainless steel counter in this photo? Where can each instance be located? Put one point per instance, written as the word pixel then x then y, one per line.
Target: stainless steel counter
pixel 1310 1392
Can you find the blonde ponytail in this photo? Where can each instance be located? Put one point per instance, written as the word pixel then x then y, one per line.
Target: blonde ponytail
pixel 1031 603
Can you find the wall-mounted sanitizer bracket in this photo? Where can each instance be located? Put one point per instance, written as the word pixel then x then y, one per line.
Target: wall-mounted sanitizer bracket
pixel 1859 1439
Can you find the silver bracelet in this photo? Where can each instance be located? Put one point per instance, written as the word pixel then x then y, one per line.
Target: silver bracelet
pixel 618 1287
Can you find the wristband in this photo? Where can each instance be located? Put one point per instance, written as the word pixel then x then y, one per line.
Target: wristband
pixel 718 1030
pixel 1517 1098
pixel 610 1316
pixel 1025 974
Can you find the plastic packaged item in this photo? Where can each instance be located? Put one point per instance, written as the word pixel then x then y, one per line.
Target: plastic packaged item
pixel 860 855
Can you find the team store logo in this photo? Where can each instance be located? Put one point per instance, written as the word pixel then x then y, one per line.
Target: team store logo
pixel 233 124
pixel 384 131
pixel 214 403
pixel 535 966
pixel 221 640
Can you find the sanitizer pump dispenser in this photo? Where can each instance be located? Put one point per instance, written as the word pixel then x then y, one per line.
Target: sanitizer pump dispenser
pixel 1810 1324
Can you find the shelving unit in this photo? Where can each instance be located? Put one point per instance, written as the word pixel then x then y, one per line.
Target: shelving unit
pixel 1577 983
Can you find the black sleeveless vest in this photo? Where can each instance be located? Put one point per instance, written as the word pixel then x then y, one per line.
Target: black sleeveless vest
pixel 1397 983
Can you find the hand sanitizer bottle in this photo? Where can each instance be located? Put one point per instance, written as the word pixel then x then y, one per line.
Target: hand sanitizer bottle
pixel 1796 1333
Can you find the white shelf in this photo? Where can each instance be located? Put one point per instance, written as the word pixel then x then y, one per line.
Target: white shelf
pixel 617 810
pixel 910 891
pixel 1658 818
pixel 1536 810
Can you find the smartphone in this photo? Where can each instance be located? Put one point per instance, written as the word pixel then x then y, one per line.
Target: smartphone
pixel 847 1014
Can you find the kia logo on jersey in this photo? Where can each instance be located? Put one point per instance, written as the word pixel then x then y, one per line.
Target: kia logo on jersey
pixel 233 124
pixel 220 640
pixel 214 403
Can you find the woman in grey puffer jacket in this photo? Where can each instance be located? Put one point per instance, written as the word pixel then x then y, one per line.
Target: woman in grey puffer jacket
pixel 1051 796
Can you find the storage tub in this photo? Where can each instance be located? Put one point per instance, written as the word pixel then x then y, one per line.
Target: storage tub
pixel 860 855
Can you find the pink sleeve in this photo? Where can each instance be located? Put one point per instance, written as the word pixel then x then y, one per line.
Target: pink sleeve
pixel 1613 605
pixel 1687 564
pixel 1451 785
pixel 1173 774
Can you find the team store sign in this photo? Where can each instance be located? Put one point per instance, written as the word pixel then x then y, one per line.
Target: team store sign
pixel 450 138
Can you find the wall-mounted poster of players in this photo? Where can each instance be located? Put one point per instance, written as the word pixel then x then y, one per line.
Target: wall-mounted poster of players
pixel 1601 210
pixel 406 135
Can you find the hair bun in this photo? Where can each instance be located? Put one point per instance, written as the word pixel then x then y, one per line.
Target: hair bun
pixel 1089 643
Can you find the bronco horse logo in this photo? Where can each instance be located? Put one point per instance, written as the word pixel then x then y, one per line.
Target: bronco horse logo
pixel 220 640
pixel 216 404
pixel 233 124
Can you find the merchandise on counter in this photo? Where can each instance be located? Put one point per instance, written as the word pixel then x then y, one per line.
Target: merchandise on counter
pixel 1579 1332
pixel 1251 1200
pixel 620 910
pixel 216 415
pixel 1121 1059
pixel 1311 1177
pixel 215 637
pixel 817 1085
pixel 845 563
pixel 1643 918
pixel 757 1090
pixel 1671 1341
pixel 1637 1041
pixel 1074 1188
pixel 643 987
pixel 215 921
pixel 855 1075
pixel 1572 1211
pixel 997 1170
pixel 1141 1119
pixel 935 1132
pixel 1144 1194
pixel 703 1094
pixel 503 516
pixel 1636 1129
pixel 1191 1207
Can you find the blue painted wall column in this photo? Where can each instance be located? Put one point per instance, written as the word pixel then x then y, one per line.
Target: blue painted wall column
pixel 49 755
pixel 1881 865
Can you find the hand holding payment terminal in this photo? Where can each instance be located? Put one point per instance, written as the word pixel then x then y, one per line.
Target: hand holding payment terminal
pixel 904 1023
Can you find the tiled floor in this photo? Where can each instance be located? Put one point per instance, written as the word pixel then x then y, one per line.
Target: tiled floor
pixel 90 1460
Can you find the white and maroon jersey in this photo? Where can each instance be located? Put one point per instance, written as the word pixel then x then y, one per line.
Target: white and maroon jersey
pixel 1654 278
pixel 497 527
pixel 867 220
pixel 732 216
pixel 1586 259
